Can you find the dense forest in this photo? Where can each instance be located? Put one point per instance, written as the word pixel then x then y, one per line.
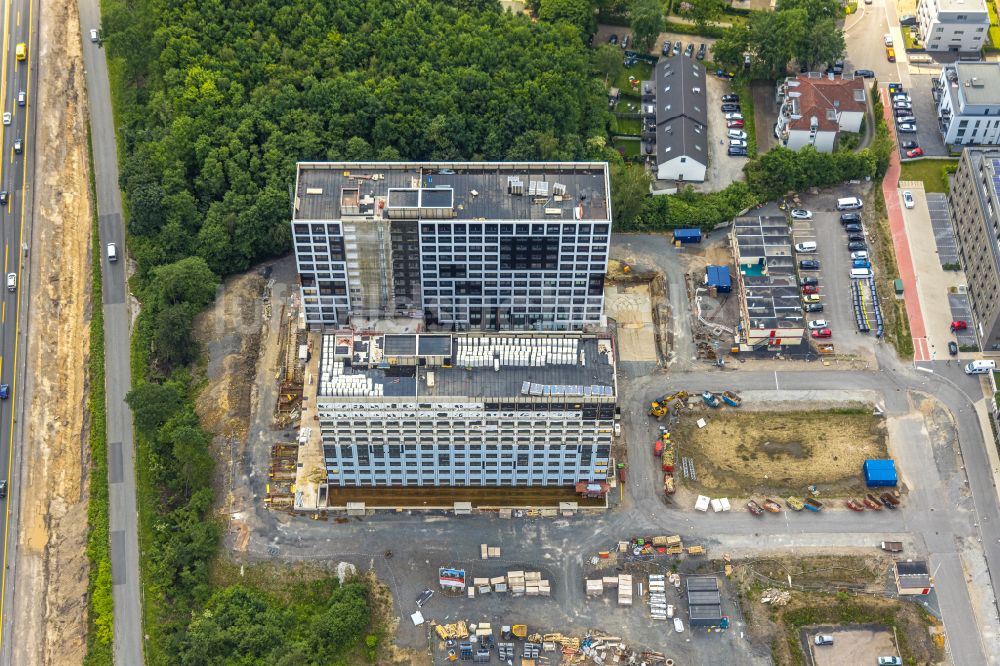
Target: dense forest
pixel 228 96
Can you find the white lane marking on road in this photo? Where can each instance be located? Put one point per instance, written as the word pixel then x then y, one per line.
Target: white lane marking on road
pixel 775 380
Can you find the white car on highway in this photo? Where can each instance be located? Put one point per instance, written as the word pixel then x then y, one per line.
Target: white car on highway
pixel 817 324
pixel 908 199
pixel 801 214
pixel 6 117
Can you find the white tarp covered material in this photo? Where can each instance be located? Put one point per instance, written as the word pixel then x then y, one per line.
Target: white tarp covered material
pixel 702 423
pixel 716 505
pixel 725 503
pixel 702 503
pixel 417 618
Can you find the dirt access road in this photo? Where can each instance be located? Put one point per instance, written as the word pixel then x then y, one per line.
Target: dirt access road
pixel 50 580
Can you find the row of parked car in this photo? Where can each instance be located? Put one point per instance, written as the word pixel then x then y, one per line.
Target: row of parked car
pixel 733 113
pixel 902 110
pixel 674 48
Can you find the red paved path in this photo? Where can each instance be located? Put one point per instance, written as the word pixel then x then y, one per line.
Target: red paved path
pixel 904 260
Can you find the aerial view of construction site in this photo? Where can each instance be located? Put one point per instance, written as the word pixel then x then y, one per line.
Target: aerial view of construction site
pixel 671 473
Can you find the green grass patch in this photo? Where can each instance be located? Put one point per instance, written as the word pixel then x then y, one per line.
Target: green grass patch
pixel 909 42
pixel 992 9
pixel 627 126
pixel 640 70
pixel 630 148
pixel 931 172
pixel 100 625
pixel 897 324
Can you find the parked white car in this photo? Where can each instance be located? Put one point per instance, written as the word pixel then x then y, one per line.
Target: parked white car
pixel 678 625
pixel 801 214
pixel 670 610
pixel 908 199
pixel 737 134
pixel 734 116
pixel 817 324
pixel 860 254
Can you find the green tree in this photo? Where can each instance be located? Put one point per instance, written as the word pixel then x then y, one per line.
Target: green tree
pixel 189 280
pixel 579 13
pixel 703 12
pixel 646 21
pixel 172 336
pixel 775 36
pixel 816 10
pixel 193 460
pixel 822 43
pixel 152 404
pixel 630 185
pixel 607 59
pixel 729 49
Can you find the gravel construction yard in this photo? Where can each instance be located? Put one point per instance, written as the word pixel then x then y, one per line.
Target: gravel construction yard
pixel 739 454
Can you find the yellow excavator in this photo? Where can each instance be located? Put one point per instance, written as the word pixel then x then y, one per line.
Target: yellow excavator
pixel 659 408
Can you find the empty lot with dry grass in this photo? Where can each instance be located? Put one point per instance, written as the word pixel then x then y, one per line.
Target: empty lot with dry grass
pixel 740 454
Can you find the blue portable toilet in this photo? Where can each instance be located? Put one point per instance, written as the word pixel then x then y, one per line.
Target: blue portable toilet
pixel 880 473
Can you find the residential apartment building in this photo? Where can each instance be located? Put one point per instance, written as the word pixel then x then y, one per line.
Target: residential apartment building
pixel 460 246
pixel 968 101
pixel 677 102
pixel 465 410
pixel 974 199
pixel 815 108
pixel 953 25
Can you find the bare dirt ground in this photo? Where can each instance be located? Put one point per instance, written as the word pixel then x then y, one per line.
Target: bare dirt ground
pixel 50 595
pixel 854 646
pixel 631 306
pixel 746 453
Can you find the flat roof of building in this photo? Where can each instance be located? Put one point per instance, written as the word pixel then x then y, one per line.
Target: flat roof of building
pixel 501 191
pixel 977 82
pixel 704 598
pixel 767 267
pixel 536 367
pixel 701 583
pixel 765 237
pixel 705 612
pixel 966 6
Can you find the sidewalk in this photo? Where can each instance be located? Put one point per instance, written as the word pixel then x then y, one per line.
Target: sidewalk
pixel 933 282
pixel 904 260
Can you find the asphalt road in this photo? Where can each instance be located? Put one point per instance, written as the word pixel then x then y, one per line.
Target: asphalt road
pixel 121 451
pixel 19 26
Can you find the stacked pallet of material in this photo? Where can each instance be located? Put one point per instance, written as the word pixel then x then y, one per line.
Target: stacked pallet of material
pixel 657 597
pixel 493 552
pixel 498 581
pixel 543 588
pixel 624 589
pixel 484 551
pixel 610 582
pixel 515 583
pixel 595 588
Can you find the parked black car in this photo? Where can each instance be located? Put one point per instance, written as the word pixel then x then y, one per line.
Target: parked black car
pixel 849 228
pixel 737 151
pixel 701 53
pixel 864 73
pixel 613 39
pixel 908 19
pixel 856 246
pixel 856 238
pixel 732 98
pixel 809 265
pixel 730 108
pixel 666 47
pixel 952 349
pixel 814 307
pixel 689 51
pixel 810 281
pixel 908 145
pixel 850 218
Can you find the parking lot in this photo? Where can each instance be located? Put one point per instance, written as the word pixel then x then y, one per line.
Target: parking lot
pixel 834 277
pixel 925 111
pixel 722 168
pixel 851 646
pixel 962 311
pixel 944 232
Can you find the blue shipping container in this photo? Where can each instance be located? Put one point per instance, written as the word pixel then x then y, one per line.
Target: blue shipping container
pixel 687 235
pixel 718 277
pixel 880 473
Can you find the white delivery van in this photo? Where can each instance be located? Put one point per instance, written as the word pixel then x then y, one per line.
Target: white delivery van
pixel 980 367
pixel 849 203
pixel 112 252
pixel 808 246
pixel 860 273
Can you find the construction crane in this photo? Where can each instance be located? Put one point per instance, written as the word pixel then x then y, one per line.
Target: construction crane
pixel 659 408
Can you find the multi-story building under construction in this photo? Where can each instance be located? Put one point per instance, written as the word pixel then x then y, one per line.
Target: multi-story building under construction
pixel 461 246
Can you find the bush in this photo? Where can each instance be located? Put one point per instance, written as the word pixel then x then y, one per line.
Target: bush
pixel 712 31
pixel 952 266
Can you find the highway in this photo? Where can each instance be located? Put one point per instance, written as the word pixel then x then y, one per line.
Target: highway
pixel 17 85
pixel 121 450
